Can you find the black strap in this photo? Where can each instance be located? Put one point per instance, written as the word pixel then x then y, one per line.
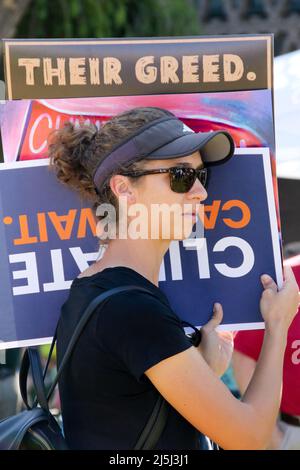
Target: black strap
pixel 32 359
pixel 194 337
pixel 154 427
pixel 100 299
pixel 157 420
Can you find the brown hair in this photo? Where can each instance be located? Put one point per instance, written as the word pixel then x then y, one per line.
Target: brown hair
pixel 75 152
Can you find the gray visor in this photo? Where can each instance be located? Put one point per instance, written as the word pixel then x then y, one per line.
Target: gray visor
pixel 163 139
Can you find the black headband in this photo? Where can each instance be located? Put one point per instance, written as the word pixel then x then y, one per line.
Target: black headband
pixel 165 138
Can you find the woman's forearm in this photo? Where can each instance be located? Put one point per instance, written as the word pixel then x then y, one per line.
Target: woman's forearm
pixel 263 393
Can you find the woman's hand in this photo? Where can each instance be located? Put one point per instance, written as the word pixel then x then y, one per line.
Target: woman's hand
pixel 216 347
pixel 279 308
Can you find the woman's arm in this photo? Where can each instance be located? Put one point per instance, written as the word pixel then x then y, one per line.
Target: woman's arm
pixel 243 368
pixel 194 390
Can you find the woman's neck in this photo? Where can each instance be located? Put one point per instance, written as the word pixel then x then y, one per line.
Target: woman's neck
pixel 144 256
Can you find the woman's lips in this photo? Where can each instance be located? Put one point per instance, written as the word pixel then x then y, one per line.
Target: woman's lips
pixel 190 214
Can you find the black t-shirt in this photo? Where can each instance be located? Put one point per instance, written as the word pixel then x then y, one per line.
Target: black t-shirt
pixel 106 397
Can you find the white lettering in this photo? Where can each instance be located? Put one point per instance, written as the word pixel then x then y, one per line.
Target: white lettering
pixel 59 282
pixel 200 245
pixel 162 272
pixel 33 130
pixel 296 354
pixel 245 248
pixel 111 71
pixel 82 259
pixel 233 67
pixel 168 69
pixel 190 69
pixel 145 72
pixel 30 273
pixel 30 65
pixel 94 71
pixel 211 68
pixel 77 71
pixel 50 72
pixel 175 261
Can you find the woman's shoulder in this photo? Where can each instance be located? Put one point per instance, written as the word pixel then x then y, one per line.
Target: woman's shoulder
pixel 136 306
pixel 140 290
pixel 147 308
pixel 137 322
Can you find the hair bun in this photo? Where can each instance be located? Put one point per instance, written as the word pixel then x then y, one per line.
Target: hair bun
pixel 70 151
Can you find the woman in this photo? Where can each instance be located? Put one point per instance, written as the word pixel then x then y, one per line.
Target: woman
pixel 136 346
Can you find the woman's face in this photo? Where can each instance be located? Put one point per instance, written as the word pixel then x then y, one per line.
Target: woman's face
pixel 154 209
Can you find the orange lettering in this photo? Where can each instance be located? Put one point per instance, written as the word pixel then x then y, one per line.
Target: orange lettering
pixel 25 239
pixel 246 215
pixel 210 222
pixel 86 215
pixel 41 217
pixel 64 233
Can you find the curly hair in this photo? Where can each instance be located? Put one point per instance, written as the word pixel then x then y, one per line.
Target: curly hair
pixel 76 151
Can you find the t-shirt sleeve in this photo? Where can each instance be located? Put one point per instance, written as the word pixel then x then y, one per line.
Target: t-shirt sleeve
pixel 140 331
pixel 249 343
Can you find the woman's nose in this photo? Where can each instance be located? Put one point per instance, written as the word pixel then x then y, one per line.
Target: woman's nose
pixel 197 191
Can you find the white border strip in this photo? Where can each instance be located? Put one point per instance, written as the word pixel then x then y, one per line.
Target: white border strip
pixel 265 152
pixel 24 343
pixel 273 217
pixel 36 341
pixel 151 40
pixel 241 326
pixel 24 164
pixel 233 327
pixel 23 130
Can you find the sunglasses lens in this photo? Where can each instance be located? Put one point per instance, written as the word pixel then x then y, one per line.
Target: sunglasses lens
pixel 203 177
pixel 182 179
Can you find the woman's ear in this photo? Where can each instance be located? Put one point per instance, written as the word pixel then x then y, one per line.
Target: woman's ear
pixel 121 187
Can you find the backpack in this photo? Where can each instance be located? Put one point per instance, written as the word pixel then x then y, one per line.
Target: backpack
pixel 36 428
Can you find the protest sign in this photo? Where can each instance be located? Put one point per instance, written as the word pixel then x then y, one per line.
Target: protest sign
pixel 247 115
pixel 109 67
pixel 47 236
pixel 209 83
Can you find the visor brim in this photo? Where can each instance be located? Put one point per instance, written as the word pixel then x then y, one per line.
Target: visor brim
pixel 215 147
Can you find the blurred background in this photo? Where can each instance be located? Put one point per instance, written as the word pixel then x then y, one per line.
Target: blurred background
pixel 120 18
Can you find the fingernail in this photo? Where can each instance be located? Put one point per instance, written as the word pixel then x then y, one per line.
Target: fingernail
pixel 265 279
pixel 216 306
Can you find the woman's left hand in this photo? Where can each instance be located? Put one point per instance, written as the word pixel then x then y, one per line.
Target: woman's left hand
pixel 216 347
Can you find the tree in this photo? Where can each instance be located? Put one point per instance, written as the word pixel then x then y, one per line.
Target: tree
pixel 108 18
pixel 11 11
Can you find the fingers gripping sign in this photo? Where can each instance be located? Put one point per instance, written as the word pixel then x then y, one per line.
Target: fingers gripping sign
pixel 216 347
pixel 279 306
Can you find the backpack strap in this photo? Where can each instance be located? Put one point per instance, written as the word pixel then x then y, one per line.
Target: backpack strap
pixel 31 358
pixel 100 299
pixel 155 426
pixel 157 420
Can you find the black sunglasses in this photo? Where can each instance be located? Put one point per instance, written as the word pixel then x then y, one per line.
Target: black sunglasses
pixel 182 179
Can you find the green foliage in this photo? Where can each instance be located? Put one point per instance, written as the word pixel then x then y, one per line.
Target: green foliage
pixel 108 18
